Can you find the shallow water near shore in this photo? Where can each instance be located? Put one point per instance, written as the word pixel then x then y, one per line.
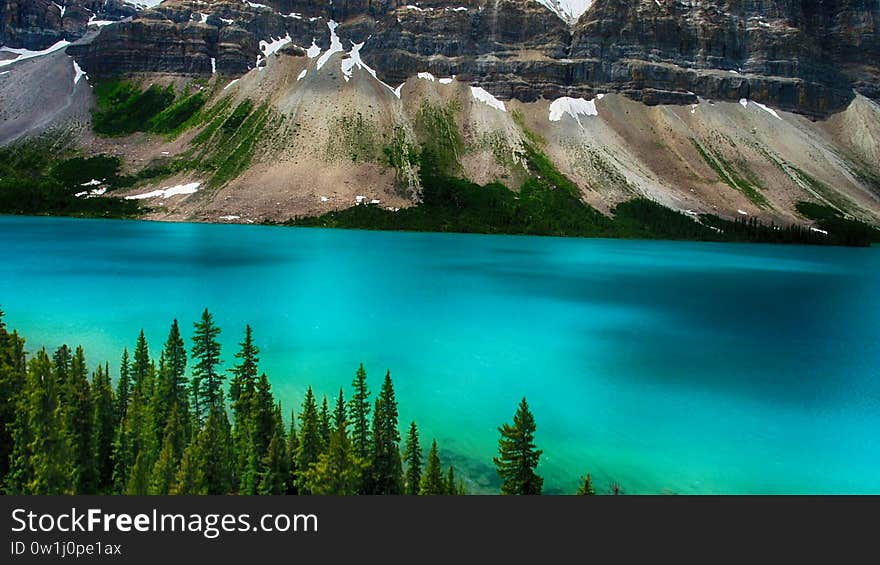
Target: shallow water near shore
pixel 663 366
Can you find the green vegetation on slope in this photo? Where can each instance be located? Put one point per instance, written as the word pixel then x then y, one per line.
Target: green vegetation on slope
pixel 42 176
pixel 123 108
pixel 728 173
pixel 166 428
pixel 841 230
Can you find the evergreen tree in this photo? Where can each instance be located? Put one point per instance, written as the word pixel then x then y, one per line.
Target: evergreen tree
pixel 517 455
pixel 13 379
pixel 432 482
pixel 338 470
pixel 78 425
pixel 190 478
pixel 386 465
pixel 256 436
pixel 123 387
pixel 324 424
pixel 242 389
pixel 412 456
pixel 164 471
pixel 339 418
pixel 207 380
pixel 310 447
pixel 40 452
pixel 61 361
pixel 104 422
pixel 141 374
pixel 586 488
pixel 275 468
pixel 359 414
pixel 292 455
pixel 451 483
pixel 171 385
pixel 215 449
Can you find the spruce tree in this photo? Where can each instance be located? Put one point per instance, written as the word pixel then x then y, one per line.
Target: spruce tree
pixel 412 457
pixel 292 455
pixel 339 417
pixel 190 478
pixel 104 422
pixel 256 436
pixel 215 449
pixel 123 387
pixel 61 361
pixel 171 385
pixel 338 470
pixel 13 379
pixel 324 422
pixel 242 388
pixel 586 487
pixel 40 452
pixel 517 455
pixel 451 483
pixel 386 465
pixel 78 426
pixel 310 447
pixel 359 414
pixel 432 482
pixel 207 380
pixel 275 467
pixel 141 374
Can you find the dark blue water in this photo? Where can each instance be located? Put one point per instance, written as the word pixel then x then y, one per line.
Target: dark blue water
pixel 667 367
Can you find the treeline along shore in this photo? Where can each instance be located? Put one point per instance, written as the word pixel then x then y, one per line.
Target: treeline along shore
pixel 67 429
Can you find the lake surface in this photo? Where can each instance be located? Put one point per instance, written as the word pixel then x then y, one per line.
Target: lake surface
pixel 664 366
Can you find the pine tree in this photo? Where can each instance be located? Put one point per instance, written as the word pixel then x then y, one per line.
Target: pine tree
pixel 324 424
pixel 586 488
pixel 256 435
pixel 141 375
pixel 242 388
pixel 359 414
pixel 61 361
pixel 275 468
pixel 123 387
pixel 164 471
pixel 40 452
pixel 432 482
pixel 451 483
pixel 517 455
pixel 339 418
pixel 190 478
pixel 207 380
pixel 104 422
pixel 171 385
pixel 78 425
pixel 412 455
pixel 310 447
pixel 13 379
pixel 338 471
pixel 215 449
pixel 386 465
pixel 292 455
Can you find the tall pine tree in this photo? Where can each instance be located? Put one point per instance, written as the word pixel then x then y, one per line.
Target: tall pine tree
pixel 310 442
pixel 517 455
pixel 412 457
pixel 104 422
pixel 432 483
pixel 386 465
pixel 207 380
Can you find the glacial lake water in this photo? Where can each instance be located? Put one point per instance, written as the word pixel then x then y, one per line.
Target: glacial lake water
pixel 663 366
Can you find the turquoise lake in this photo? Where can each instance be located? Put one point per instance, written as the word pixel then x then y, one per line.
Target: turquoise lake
pixel 664 366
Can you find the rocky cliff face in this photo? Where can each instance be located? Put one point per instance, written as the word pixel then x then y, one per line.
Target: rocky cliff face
pixel 798 55
pixel 37 24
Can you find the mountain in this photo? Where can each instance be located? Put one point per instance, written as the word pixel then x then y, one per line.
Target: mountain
pixel 296 108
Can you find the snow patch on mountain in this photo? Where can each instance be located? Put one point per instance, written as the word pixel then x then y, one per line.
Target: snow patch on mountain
pixel 480 94
pixel 569 11
pixel 574 107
